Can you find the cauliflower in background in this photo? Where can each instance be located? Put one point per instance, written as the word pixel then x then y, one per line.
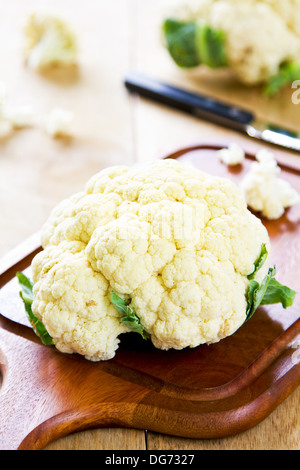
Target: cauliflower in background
pixel 50 42
pixel 164 250
pixel 258 39
pixel 264 191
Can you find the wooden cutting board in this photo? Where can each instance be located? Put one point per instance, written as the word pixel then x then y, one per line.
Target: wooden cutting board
pixel 207 392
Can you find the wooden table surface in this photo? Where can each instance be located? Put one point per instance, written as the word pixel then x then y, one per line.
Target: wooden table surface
pixel 111 127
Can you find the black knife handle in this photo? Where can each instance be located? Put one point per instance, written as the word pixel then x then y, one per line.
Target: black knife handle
pixel 195 104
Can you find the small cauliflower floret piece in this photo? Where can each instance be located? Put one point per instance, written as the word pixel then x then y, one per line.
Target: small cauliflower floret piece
pixel 264 191
pixel 73 303
pixel 77 217
pixel 197 307
pixel 171 244
pixel 258 39
pixel 50 42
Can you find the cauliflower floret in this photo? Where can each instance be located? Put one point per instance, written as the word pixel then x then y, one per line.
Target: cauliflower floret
pixel 190 298
pixel 98 182
pixel 175 244
pixel 72 300
pixel 205 290
pixel 50 42
pixel 127 253
pixel 264 191
pixel 233 155
pixel 18 116
pixel 258 39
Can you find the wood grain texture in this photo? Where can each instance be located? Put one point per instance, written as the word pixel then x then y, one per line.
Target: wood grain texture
pixel 111 128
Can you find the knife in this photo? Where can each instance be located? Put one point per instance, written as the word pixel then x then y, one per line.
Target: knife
pixel 212 110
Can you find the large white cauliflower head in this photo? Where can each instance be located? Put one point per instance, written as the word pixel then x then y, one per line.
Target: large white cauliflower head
pixel 176 244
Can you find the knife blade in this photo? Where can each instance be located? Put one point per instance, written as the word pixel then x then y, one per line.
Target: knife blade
pixel 212 110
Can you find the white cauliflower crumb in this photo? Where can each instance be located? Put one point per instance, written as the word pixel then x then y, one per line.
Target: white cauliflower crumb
pixel 59 122
pixel 3 93
pixel 19 116
pixel 5 128
pixel 264 191
pixel 13 116
pixel 233 155
pixel 50 42
pixel 177 243
pixel 261 35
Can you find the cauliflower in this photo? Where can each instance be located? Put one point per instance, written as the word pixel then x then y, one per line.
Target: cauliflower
pixel 233 155
pixel 12 116
pixel 50 42
pixel 264 191
pixel 165 250
pixel 259 40
pixel 18 116
pixel 59 122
